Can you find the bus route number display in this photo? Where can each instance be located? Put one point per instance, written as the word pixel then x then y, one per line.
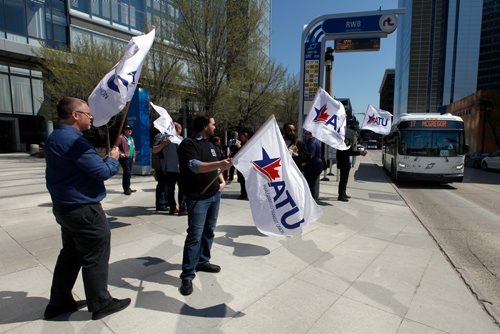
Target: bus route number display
pixel 431 124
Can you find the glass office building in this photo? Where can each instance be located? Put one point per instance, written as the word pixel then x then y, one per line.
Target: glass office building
pixel 462 49
pixel 420 56
pixel 25 24
pixel 489 51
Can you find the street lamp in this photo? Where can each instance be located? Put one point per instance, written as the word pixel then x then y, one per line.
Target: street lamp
pixel 328 89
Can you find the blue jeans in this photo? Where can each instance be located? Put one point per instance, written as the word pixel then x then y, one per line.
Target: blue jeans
pixel 202 218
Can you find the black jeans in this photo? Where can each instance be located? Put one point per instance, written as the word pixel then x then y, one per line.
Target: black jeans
pixel 86 244
pixel 126 164
pixel 173 179
pixel 243 190
pixel 161 189
pixel 344 177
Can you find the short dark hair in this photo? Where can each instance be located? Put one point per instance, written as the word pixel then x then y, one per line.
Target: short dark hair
pixel 286 125
pixel 200 121
pixel 67 105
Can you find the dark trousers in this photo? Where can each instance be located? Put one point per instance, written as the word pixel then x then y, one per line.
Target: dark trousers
pixel 126 164
pixel 231 173
pixel 243 190
pixel 86 245
pixel 312 179
pixel 173 179
pixel 162 197
pixel 344 177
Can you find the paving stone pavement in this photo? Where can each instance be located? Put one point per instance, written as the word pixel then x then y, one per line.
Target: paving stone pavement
pixel 367 266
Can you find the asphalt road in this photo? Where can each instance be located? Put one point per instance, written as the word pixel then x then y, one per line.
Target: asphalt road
pixel 464 219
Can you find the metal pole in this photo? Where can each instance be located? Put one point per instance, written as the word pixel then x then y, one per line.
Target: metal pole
pixel 328 89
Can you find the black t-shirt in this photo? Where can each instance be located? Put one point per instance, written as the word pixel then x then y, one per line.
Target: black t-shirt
pixel 204 151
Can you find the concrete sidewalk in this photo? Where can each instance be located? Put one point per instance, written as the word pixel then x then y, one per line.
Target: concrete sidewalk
pixel 367 266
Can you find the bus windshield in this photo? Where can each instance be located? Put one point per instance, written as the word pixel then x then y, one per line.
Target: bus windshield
pixel 431 143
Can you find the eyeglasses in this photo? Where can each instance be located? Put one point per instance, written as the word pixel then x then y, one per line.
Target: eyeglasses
pixel 89 115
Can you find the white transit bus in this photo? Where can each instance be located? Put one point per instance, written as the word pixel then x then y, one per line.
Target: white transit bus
pixel 427 147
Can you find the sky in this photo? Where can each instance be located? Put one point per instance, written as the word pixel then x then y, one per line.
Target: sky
pixel 356 75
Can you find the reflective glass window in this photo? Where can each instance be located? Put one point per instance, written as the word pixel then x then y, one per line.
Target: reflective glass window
pixel 37 86
pixel 120 11
pixel 101 8
pixel 15 17
pixel 35 18
pixel 81 5
pixel 5 99
pixel 21 95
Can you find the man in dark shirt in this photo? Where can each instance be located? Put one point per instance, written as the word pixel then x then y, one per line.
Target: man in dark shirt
pixel 344 165
pixel 201 172
pixel 75 175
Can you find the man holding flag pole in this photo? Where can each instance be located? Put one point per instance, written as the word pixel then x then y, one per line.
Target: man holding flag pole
pixel 203 182
pixel 327 122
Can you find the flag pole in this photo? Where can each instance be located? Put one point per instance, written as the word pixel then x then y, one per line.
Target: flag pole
pixel 213 180
pixel 122 123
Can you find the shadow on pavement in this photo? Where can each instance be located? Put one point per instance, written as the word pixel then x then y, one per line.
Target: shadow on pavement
pixel 16 306
pixel 147 268
pixel 131 211
pixel 371 172
pixel 240 248
pixel 158 301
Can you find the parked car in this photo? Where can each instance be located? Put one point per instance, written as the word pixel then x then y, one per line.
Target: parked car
pixel 491 161
pixel 372 144
pixel 474 159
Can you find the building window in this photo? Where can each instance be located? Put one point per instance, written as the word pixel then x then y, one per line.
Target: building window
pixel 81 5
pixel 21 90
pixel 15 17
pixel 37 91
pixel 5 100
pixel 101 8
pixel 21 95
pixel 120 12
pixel 36 19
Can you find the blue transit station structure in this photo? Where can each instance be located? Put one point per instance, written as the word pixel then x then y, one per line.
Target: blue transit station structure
pixel 360 30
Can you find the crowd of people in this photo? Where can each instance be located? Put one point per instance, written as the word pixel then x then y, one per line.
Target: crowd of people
pixel 197 167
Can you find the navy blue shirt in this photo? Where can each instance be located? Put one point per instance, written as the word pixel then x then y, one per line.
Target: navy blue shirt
pixel 75 172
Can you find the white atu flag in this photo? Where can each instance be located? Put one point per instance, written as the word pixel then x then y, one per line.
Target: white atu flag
pixel 118 86
pixel 279 196
pixel 165 124
pixel 327 120
pixel 377 120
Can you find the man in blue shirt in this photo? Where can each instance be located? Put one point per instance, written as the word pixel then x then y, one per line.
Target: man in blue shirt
pixel 75 175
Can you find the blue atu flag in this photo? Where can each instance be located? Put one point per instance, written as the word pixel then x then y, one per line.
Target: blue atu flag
pixel 138 118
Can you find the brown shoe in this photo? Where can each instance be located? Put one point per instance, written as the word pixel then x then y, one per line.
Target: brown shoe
pixel 182 213
pixel 173 211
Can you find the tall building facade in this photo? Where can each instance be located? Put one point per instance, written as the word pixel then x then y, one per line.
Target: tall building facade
pixel 462 49
pixel 420 56
pixel 489 51
pixel 386 91
pixel 26 24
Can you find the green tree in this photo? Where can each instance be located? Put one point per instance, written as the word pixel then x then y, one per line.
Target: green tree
pixel 74 73
pixel 214 35
pixel 252 93
pixel 287 109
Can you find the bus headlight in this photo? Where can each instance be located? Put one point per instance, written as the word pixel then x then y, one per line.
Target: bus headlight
pixel 459 166
pixel 402 165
